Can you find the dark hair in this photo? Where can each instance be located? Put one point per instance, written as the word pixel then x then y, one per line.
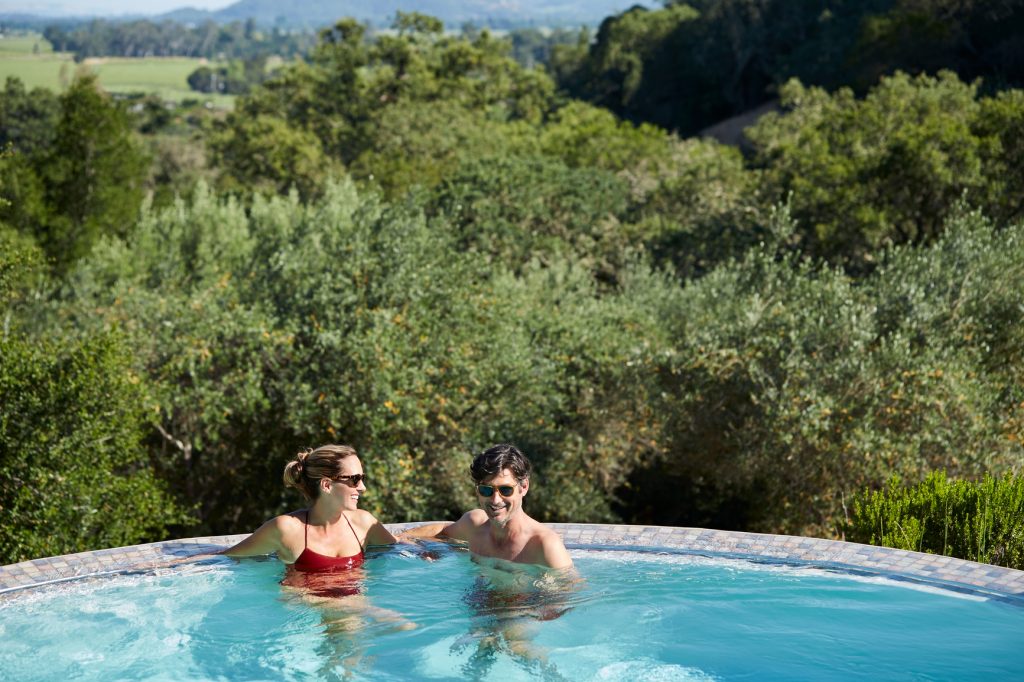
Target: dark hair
pixel 311 466
pixel 491 461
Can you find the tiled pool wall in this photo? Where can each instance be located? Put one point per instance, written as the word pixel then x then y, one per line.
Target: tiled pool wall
pixel 995 581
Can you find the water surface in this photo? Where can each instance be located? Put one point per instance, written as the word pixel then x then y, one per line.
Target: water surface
pixel 630 616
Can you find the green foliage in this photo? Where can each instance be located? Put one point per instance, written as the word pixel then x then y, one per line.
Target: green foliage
pixel 511 211
pixel 22 195
pixel 27 123
pixel 28 119
pixel 674 332
pixel 532 47
pixel 865 174
pixel 704 209
pixel 266 153
pixel 585 136
pixel 790 386
pixel 77 170
pixel 142 38
pixel 73 472
pixel 693 64
pixel 20 267
pixel 234 78
pixel 625 45
pixel 419 144
pixel 975 520
pixel 351 320
pixel 1000 126
pixel 93 174
pixel 363 100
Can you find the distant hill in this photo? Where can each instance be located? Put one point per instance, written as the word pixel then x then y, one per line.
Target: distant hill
pixel 314 14
pixel 454 13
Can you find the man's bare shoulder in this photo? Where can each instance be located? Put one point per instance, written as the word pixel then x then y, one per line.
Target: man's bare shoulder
pixel 467 527
pixel 545 536
pixel 549 548
pixel 475 517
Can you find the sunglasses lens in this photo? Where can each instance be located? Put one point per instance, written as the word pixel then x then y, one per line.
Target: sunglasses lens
pixel 488 490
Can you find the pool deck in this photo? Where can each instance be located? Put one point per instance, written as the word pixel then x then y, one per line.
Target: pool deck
pixel 928 569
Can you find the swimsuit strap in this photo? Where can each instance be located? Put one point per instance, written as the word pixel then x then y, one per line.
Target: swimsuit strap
pixel 353 531
pixel 305 539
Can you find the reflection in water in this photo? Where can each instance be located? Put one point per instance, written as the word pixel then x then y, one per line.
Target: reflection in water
pixel 508 602
pixel 349 622
pixel 330 584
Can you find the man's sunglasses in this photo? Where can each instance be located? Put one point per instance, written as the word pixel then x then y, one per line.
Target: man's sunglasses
pixel 488 490
pixel 354 480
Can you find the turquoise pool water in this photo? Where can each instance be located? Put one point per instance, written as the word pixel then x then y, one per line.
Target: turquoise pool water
pixel 632 617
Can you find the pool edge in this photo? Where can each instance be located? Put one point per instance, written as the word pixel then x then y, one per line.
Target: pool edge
pixel 930 569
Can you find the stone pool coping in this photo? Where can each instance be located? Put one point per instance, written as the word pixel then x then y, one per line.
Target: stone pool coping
pixel 929 569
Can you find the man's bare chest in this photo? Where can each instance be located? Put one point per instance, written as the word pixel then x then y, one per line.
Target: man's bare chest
pixel 515 549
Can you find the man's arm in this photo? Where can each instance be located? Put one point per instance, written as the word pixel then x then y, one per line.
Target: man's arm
pixel 460 530
pixel 428 530
pixel 554 553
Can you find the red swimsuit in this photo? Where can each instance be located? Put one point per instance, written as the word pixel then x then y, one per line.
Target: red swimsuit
pixel 312 562
pixel 319 573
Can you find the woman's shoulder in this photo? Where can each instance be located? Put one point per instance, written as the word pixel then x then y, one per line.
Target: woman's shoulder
pixel 290 522
pixel 361 518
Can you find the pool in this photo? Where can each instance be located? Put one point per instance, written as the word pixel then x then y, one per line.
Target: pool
pixel 654 604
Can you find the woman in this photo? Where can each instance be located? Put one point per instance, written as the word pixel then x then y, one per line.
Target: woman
pixel 329 537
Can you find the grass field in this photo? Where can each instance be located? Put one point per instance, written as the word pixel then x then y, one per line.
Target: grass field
pixel 165 76
pixel 24 43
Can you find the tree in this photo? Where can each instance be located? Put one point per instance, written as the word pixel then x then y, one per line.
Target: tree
pixel 695 63
pixel 73 472
pixel 93 173
pixel 512 211
pixel 28 119
pixel 866 174
pixel 269 327
pixel 265 152
pixel 358 97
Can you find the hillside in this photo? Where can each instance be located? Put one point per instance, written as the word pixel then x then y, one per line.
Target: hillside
pixel 316 13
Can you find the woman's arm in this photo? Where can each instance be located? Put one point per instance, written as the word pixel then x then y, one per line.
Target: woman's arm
pixel 377 534
pixel 265 540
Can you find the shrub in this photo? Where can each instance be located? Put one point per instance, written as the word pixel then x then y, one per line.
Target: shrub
pixel 511 211
pixel 865 174
pixel 349 320
pixel 73 473
pixel 976 520
pixel 789 386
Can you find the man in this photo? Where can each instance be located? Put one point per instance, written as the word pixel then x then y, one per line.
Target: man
pixel 500 529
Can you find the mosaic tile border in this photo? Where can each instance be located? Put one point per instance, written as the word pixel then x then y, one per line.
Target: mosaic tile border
pixel 968 576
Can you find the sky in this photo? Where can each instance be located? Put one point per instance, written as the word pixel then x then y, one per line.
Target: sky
pixel 105 7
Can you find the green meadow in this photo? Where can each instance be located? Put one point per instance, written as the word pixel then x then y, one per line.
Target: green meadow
pixel 31 58
pixel 24 43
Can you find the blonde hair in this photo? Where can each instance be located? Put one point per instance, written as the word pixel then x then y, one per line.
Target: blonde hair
pixel 305 472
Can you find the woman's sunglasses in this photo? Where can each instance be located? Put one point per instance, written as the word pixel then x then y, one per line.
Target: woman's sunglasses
pixel 488 490
pixel 353 481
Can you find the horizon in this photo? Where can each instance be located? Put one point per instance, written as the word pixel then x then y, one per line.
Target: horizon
pixel 59 8
pixel 129 8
